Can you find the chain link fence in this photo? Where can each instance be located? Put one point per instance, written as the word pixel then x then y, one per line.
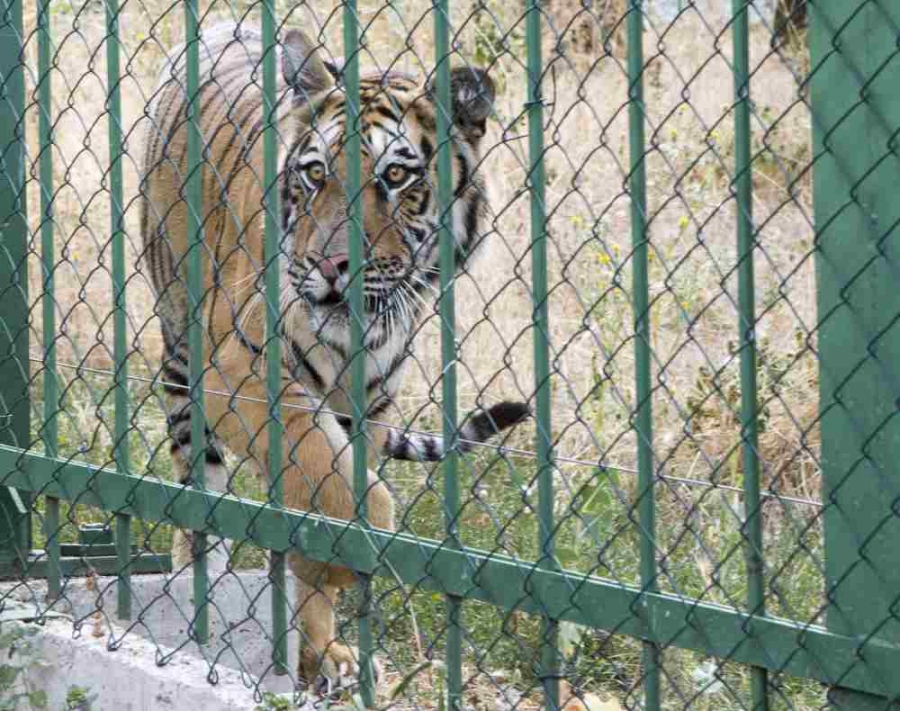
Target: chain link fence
pixel 574 322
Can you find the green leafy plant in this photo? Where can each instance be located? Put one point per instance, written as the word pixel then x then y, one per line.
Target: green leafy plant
pixel 18 655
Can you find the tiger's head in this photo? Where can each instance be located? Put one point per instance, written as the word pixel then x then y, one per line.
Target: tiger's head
pixel 398 181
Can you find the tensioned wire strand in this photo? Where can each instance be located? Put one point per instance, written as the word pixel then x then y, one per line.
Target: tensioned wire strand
pixel 500 450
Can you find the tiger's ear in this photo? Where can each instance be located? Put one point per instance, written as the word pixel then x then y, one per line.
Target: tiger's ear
pixel 301 66
pixel 472 92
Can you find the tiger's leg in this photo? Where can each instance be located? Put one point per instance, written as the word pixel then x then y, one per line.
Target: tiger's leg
pixel 318 584
pixel 318 477
pixel 215 479
pixel 214 470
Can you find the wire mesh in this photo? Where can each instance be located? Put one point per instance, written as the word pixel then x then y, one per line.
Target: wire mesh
pixel 581 400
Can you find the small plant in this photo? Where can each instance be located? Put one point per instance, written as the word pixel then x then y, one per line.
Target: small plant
pixel 495 36
pixel 791 22
pixel 596 507
pixel 78 698
pixel 274 702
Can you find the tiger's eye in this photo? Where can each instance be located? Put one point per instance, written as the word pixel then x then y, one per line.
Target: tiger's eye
pixel 316 173
pixel 395 174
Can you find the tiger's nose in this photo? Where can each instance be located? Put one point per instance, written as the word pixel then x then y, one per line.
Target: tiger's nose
pixel 333 266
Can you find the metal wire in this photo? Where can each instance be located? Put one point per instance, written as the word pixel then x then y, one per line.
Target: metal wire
pixel 634 445
pixel 500 450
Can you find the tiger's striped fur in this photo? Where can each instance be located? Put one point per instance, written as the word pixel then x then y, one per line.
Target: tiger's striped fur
pixel 400 223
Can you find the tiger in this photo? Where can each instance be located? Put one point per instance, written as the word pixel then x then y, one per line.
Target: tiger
pixel 397 121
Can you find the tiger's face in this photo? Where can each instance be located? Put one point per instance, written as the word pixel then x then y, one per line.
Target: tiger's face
pixel 400 214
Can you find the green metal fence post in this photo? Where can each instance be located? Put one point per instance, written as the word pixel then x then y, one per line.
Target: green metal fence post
pixel 856 110
pixel 643 417
pixel 550 661
pixel 277 568
pixel 15 524
pixel 120 317
pixel 356 257
pixel 48 303
pixel 448 339
pixel 193 192
pixel 743 184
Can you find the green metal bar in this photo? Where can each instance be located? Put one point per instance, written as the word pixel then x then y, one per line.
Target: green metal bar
pixel 641 296
pixel 550 662
pixel 120 315
pixel 743 183
pixel 15 410
pixel 444 115
pixel 194 195
pixel 273 330
pixel 96 549
pixel 856 106
pixel 356 256
pixel 786 646
pixel 143 563
pixel 50 431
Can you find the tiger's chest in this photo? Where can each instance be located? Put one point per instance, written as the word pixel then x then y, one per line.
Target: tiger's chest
pixel 322 357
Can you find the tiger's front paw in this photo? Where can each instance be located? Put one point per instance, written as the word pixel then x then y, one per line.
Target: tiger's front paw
pixel 335 670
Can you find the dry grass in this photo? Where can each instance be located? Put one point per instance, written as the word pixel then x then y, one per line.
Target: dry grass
pixel 691 220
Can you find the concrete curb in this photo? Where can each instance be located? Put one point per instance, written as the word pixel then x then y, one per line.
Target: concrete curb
pixel 127 679
pixel 130 678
